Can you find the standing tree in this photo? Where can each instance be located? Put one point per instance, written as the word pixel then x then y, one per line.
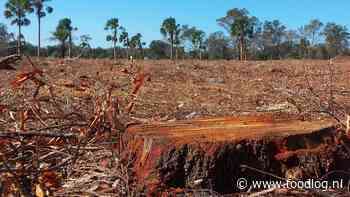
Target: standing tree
pixel 218 46
pixel 273 35
pixel 136 43
pixel 84 45
pixel 313 30
pixel 124 38
pixel 17 10
pixel 62 34
pixel 310 33
pixel 241 27
pixel 336 38
pixel 158 49
pixel 198 40
pixel 68 26
pixel 113 25
pixel 40 12
pixel 169 30
pixel 5 36
pixel 178 39
pixel 196 37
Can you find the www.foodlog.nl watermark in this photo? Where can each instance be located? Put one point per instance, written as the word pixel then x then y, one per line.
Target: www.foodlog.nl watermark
pixel 243 184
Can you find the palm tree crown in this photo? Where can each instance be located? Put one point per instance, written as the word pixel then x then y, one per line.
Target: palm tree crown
pixel 40 11
pixel 17 10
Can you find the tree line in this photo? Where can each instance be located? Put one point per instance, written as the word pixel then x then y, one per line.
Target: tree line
pixel 243 37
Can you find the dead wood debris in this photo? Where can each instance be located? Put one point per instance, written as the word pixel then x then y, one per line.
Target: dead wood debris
pixel 50 140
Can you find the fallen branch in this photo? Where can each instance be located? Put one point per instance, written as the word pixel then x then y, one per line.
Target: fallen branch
pixel 40 134
pixel 6 62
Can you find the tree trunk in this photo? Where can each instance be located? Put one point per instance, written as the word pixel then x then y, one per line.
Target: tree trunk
pixel 19 40
pixel 39 35
pixel 114 51
pixel 241 50
pixel 115 45
pixel 127 52
pixel 63 49
pixel 70 45
pixel 172 47
pixel 176 52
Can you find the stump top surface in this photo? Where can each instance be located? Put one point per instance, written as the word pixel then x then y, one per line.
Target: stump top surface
pixel 227 129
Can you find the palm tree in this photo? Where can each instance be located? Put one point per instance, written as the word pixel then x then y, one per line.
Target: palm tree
pixel 124 38
pixel 17 11
pixel 40 11
pixel 63 33
pixel 113 25
pixel 169 30
pixel 136 43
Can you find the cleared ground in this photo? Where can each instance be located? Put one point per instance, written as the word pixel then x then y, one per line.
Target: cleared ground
pixel 193 89
pixel 262 100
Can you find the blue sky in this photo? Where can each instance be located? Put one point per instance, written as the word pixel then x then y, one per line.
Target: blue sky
pixel 145 16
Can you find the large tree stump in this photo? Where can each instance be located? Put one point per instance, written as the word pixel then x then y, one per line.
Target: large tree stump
pixel 210 153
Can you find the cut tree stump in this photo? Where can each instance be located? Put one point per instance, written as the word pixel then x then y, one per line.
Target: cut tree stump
pixel 210 153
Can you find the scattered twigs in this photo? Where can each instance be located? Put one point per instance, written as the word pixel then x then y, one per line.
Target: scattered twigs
pixel 317 93
pixel 44 134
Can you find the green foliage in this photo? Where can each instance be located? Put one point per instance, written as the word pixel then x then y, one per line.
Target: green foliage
pixel 63 34
pixel 63 30
pixel 124 37
pixel 241 27
pixel 219 46
pixel 169 27
pixel 170 30
pixel 112 25
pixel 247 37
pixel 313 30
pixel 137 45
pixel 5 36
pixel 274 33
pixel 85 41
pixel 195 37
pixel 41 10
pixel 17 11
pixel 337 38
pixel 158 49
